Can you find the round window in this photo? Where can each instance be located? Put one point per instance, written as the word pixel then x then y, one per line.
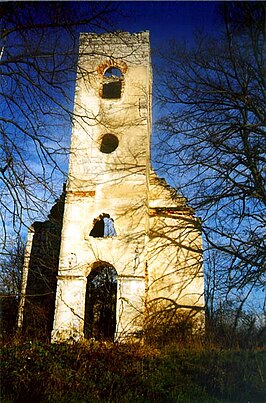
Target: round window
pixel 109 143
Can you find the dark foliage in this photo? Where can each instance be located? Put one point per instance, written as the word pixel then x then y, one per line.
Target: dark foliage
pixel 129 373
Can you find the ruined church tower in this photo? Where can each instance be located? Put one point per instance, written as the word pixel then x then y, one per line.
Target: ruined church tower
pixel 120 219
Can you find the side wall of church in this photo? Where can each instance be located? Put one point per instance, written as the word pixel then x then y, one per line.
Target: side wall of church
pixel 176 281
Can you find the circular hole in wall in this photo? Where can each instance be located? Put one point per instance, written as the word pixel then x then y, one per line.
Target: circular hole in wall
pixel 109 143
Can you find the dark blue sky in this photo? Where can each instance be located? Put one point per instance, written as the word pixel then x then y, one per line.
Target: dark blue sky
pixel 168 19
pixel 165 21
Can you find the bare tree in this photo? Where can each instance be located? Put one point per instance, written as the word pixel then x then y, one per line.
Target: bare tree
pixel 10 280
pixel 213 138
pixel 38 63
pixel 11 268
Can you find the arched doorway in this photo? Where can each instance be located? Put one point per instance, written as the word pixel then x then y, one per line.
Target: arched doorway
pixel 100 305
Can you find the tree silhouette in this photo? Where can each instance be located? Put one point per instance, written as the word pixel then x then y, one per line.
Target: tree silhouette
pixel 38 59
pixel 213 138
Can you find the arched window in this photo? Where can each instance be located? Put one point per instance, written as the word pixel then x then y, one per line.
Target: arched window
pixel 103 226
pixel 112 83
pixel 109 143
pixel 100 306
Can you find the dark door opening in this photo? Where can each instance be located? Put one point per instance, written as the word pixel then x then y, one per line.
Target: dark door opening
pixel 100 306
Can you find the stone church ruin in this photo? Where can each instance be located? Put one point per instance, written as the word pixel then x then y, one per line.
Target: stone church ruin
pixel 129 247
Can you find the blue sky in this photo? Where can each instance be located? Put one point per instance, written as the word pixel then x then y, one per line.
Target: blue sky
pixel 164 20
pixel 168 19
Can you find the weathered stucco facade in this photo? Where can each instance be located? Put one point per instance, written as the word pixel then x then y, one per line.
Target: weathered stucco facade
pixel 156 252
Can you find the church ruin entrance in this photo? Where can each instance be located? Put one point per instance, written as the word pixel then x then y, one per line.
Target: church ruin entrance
pixel 100 306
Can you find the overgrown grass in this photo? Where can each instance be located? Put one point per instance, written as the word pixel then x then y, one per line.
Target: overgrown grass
pixel 101 372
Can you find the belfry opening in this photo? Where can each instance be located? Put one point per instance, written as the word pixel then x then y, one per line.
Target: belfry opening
pixel 112 84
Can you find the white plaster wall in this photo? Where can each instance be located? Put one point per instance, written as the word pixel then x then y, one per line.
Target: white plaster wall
pixel 158 244
pixel 69 312
pixel 130 306
pixel 174 252
pixel 113 183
